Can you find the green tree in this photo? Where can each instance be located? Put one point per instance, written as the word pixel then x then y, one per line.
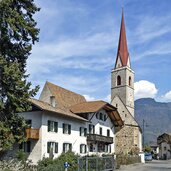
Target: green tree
pixel 147 148
pixel 18 33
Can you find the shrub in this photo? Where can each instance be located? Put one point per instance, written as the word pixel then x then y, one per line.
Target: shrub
pixel 48 164
pixel 14 165
pixel 124 159
pixel 21 156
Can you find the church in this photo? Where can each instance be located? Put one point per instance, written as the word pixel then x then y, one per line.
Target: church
pixel 129 137
pixel 62 120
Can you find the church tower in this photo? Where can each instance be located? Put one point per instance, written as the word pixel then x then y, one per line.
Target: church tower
pixel 122 74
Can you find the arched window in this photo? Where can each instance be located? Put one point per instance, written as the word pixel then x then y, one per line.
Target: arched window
pixel 130 81
pixel 118 80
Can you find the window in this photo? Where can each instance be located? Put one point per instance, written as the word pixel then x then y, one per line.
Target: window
pixel 25 146
pixel 66 128
pixel 106 148
pixel 109 149
pixel 29 123
pixel 67 147
pixel 118 80
pixel 91 129
pixel 52 101
pixel 97 115
pixel 108 133
pixel 52 147
pixel 91 147
pixel 100 131
pixel 104 117
pixel 101 116
pixel 83 132
pixel 103 148
pixel 52 126
pixel 130 81
pixel 83 148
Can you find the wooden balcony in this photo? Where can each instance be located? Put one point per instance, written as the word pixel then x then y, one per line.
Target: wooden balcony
pixel 99 138
pixel 32 133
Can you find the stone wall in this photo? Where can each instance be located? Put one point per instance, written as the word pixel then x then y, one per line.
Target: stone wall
pixel 126 139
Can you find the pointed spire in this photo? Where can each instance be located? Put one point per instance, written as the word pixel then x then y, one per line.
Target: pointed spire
pixel 122 54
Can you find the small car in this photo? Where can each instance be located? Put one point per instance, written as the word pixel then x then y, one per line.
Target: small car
pixel 148 157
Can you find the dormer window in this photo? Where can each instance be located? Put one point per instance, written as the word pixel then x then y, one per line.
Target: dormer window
pixel 118 80
pixel 52 101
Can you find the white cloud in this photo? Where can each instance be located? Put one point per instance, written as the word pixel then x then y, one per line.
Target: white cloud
pixel 145 31
pixel 145 89
pixel 89 98
pixel 79 53
pixel 108 98
pixel 166 97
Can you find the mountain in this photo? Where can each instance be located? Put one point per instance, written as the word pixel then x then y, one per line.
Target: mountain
pixel 156 115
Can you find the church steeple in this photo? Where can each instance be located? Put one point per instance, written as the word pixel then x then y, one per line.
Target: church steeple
pixel 122 54
pixel 122 74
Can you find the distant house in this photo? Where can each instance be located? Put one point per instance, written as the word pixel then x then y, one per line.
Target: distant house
pixel 62 120
pixel 164 142
pixel 155 148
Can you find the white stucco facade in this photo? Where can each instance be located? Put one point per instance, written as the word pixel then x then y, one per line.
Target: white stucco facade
pixel 39 147
pixel 165 151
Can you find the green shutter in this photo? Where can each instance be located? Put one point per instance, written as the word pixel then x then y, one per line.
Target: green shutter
pixel 56 126
pixel 85 132
pixel 85 149
pixel 56 147
pixel 63 127
pixel 48 147
pixel 80 148
pixel 49 126
pixel 93 129
pixel 89 129
pixel 69 129
pixel 64 147
pixel 80 131
pixel 70 147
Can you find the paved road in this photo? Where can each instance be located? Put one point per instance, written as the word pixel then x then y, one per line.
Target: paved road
pixel 155 165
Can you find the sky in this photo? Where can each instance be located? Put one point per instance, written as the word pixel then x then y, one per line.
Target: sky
pixel 78 45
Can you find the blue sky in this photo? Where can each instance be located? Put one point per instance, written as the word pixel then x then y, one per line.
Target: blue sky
pixel 79 39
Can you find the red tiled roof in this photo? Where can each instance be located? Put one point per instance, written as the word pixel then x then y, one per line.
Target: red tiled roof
pixel 86 107
pixel 47 107
pixel 95 106
pixel 64 97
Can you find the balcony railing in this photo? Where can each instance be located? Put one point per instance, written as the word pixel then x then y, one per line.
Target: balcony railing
pixel 99 138
pixel 32 133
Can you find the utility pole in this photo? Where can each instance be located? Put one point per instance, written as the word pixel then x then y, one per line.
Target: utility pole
pixel 143 133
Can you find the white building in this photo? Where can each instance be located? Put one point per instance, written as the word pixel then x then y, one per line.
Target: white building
pixel 164 142
pixel 62 120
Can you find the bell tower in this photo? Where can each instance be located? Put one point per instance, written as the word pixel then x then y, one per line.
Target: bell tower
pixel 122 74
